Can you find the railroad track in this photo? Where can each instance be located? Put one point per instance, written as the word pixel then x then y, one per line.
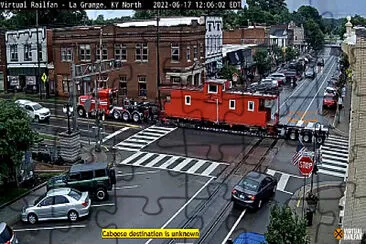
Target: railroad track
pixel 214 196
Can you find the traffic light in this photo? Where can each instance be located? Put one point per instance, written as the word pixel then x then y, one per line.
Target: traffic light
pixel 115 64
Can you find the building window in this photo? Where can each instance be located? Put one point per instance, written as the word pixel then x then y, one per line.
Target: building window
pixel 250 106
pixel 218 26
pixel 232 104
pixel 142 52
pixel 104 53
pixel 295 37
pixel 175 80
pixel 141 79
pixel 195 53
pixel 85 52
pixel 123 85
pixel 27 52
pixel 209 27
pixel 188 53
pixel 187 100
pixel 66 84
pixel 212 88
pixel 175 52
pixel 201 50
pixel 120 52
pixel 13 52
pixel 66 54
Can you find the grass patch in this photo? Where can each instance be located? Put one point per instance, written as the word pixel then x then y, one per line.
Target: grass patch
pixel 10 194
pixel 47 176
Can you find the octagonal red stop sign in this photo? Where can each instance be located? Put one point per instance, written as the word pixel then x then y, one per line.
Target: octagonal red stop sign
pixel 306 165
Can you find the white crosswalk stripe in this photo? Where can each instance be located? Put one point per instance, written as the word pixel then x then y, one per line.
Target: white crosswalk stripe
pixel 143 138
pixel 180 164
pixel 334 157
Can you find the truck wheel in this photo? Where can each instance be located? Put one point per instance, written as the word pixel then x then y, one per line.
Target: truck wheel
pixel 101 194
pixel 319 140
pixel 306 137
pixel 81 112
pixel 125 116
pixel 116 115
pixel 136 117
pixel 293 135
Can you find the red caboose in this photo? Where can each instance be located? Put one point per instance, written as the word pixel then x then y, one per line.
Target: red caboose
pixel 218 103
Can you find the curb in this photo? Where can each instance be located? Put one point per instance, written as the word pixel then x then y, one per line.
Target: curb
pixel 23 195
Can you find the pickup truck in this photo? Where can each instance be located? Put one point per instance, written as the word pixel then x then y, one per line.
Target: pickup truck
pixel 35 111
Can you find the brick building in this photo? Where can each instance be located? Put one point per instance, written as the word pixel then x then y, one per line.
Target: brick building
pixel 249 35
pixel 181 49
pixel 3 77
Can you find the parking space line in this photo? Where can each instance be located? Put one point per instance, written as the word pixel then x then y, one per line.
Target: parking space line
pixel 139 173
pixel 184 206
pixel 126 187
pixel 102 205
pixel 51 228
pixel 234 226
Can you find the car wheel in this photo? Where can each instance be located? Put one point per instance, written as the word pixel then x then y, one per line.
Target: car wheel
pixel 32 218
pixel 125 116
pixel 101 194
pixel 116 115
pixel 81 112
pixel 73 216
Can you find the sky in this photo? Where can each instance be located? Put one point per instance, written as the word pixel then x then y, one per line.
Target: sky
pixel 328 8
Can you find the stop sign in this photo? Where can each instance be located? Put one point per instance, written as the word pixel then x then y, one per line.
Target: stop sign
pixel 306 165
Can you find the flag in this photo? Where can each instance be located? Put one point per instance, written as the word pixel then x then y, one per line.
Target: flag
pixel 298 155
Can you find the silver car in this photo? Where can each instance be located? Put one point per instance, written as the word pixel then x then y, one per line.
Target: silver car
pixel 60 203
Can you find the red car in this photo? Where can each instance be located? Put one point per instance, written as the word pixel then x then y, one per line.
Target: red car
pixel 329 101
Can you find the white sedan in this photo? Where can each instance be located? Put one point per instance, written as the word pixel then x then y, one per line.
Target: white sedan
pixel 36 111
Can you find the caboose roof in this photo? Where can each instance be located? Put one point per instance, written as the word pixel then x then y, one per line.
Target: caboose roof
pixel 217 81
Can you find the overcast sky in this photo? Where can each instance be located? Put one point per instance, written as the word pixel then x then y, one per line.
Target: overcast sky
pixel 329 8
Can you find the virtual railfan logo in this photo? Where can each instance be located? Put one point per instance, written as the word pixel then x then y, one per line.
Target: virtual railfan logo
pixel 348 234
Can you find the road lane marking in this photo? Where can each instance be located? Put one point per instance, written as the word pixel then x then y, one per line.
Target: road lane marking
pixel 234 226
pixel 115 134
pixel 320 88
pixel 126 187
pixel 184 206
pixel 51 228
pixel 138 173
pixel 102 205
pixel 283 182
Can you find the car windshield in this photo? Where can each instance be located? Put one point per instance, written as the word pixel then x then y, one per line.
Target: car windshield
pixel 75 194
pixel 39 198
pixel 249 184
pixel 330 90
pixel 37 106
pixel 6 235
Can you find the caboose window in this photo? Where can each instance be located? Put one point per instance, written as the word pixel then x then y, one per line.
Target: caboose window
pixel 250 106
pixel 231 104
pixel 187 100
pixel 212 88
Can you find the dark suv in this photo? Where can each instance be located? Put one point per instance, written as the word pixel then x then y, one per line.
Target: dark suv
pixel 96 178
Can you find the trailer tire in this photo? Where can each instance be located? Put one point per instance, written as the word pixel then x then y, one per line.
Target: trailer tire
pixel 320 140
pixel 125 116
pixel 306 137
pixel 81 112
pixel 293 135
pixel 136 117
pixel 116 115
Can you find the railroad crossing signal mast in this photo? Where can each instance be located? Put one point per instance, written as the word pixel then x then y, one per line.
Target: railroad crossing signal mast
pixel 79 71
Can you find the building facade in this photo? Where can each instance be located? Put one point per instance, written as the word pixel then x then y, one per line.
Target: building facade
pixel 24 71
pixel 213 45
pixel 181 51
pixel 249 35
pixel 3 77
pixel 281 36
pixel 298 36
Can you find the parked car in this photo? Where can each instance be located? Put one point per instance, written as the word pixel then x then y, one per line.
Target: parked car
pixel 329 101
pixel 320 62
pixel 280 77
pixel 7 235
pixel 331 91
pixel 310 73
pixel 61 203
pixel 253 190
pixel 96 178
pixel 269 82
pixel 35 111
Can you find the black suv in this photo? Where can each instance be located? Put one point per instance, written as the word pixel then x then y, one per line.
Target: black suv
pixel 96 178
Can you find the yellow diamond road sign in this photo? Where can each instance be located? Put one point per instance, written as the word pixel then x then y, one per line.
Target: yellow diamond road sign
pixel 44 77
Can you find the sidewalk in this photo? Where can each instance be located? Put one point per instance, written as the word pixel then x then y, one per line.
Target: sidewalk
pixel 326 217
pixel 33 97
pixel 341 122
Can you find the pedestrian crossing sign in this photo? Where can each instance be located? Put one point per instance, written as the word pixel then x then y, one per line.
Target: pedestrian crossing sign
pixel 44 77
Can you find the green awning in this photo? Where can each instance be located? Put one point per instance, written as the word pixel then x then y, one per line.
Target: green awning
pixel 26 71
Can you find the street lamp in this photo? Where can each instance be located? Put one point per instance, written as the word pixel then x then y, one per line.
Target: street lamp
pixel 68 110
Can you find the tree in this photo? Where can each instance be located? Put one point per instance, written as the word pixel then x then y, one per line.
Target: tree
pixel 285 227
pixel 290 53
pixel 99 20
pixel 262 60
pixel 227 72
pixel 314 35
pixel 16 137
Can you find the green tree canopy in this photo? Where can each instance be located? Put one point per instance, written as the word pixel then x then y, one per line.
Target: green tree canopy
pixel 314 35
pixel 16 137
pixel 285 227
pixel 262 60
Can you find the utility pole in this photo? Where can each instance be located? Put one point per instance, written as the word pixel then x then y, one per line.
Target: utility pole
pixel 158 59
pixel 73 96
pixel 97 122
pixel 38 60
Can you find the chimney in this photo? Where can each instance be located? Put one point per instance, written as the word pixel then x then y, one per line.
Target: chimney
pixel 348 26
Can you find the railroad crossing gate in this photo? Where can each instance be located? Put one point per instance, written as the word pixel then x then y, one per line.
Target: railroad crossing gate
pixel 306 165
